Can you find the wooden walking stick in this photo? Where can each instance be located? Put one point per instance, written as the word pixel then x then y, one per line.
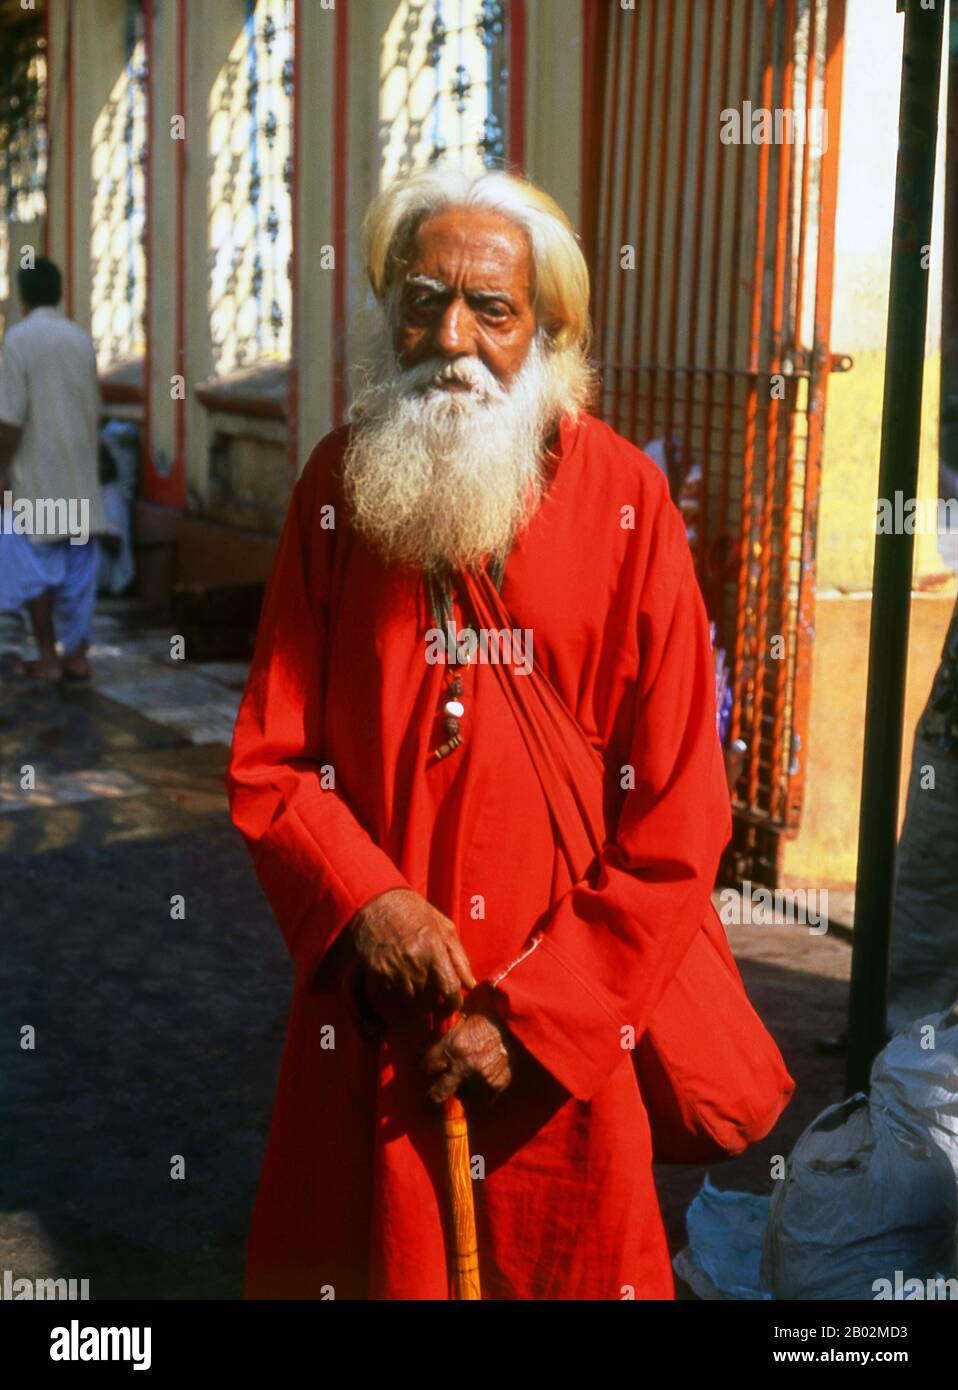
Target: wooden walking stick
pixel 465 1249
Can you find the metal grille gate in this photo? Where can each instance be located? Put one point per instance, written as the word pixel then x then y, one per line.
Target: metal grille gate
pixel 712 276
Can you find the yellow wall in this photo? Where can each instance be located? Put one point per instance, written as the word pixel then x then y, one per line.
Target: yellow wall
pixel 826 850
pixel 846 536
pixel 863 231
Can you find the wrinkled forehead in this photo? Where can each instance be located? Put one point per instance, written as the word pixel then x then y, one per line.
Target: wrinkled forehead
pixel 469 248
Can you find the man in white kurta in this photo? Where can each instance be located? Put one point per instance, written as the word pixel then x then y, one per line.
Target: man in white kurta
pixel 52 507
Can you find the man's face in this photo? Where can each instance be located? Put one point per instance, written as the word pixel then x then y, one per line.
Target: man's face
pixel 467 292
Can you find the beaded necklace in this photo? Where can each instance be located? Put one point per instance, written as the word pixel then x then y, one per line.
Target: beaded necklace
pixel 439 590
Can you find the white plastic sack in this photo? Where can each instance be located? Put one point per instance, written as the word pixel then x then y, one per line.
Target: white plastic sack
pixel 862 1198
pixel 915 1080
pixel 726 1231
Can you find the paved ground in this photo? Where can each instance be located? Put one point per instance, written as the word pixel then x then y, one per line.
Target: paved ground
pixel 154 1036
pixel 158 1037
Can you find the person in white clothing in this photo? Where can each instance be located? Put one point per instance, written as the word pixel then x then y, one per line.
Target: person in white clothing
pixel 51 507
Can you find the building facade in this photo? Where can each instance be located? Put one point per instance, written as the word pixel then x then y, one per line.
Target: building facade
pixel 200 170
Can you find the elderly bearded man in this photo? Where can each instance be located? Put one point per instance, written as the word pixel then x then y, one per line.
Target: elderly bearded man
pixel 395 817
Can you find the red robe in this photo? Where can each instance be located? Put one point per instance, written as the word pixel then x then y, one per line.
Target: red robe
pixel 351 1199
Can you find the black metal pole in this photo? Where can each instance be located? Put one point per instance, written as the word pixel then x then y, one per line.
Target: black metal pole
pixel 891 588
pixel 948 409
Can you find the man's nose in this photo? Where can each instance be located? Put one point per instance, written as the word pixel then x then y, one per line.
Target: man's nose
pixel 453 337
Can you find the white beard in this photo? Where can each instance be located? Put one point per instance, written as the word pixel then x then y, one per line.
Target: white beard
pixel 437 477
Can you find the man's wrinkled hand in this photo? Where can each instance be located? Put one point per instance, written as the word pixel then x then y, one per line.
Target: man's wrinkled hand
pixel 409 951
pixel 477 1047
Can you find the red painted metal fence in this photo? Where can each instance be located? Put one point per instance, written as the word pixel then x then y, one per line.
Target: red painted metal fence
pixel 709 171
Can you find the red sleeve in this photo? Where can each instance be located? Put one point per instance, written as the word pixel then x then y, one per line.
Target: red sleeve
pixel 317 865
pixel 613 942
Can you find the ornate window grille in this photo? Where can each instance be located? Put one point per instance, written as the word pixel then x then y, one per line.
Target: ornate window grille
pixel 250 211
pixel 23 137
pixel 118 216
pixel 444 85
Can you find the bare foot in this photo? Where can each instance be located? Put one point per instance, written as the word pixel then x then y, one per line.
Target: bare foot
pixel 76 667
pixel 44 669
